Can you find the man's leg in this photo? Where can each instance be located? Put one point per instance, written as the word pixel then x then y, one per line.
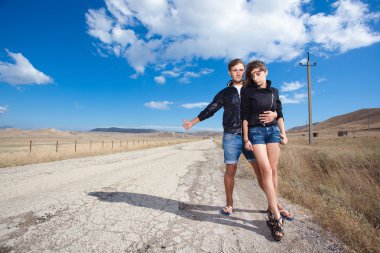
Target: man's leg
pixel 229 180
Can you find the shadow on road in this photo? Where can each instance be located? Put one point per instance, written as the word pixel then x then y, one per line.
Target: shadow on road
pixel 189 211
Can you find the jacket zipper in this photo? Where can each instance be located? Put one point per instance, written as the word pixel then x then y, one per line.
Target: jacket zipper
pixel 270 106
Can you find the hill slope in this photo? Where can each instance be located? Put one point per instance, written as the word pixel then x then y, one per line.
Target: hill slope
pixel 357 120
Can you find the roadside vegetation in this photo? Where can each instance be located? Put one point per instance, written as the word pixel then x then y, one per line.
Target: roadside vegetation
pixel 338 180
pixel 22 150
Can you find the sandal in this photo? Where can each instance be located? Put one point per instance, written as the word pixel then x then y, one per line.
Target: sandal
pixel 278 229
pixel 270 218
pixel 285 214
pixel 227 210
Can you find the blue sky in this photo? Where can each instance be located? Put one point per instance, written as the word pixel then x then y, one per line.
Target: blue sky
pixel 78 65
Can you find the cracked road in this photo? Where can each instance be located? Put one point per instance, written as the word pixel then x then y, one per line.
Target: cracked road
pixel 164 199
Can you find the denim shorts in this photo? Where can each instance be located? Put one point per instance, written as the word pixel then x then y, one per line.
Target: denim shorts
pixel 264 135
pixel 233 147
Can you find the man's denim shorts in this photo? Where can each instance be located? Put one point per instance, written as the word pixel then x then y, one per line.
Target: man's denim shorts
pixel 264 135
pixel 233 147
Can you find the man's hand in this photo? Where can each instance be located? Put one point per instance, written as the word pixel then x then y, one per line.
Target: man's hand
pixel 187 124
pixel 267 116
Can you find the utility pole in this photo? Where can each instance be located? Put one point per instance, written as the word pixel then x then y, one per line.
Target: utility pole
pixel 308 65
pixel 369 119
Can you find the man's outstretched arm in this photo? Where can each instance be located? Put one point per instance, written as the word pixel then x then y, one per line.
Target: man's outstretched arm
pixel 189 124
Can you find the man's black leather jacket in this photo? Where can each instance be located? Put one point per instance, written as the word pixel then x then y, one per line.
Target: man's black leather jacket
pixel 229 99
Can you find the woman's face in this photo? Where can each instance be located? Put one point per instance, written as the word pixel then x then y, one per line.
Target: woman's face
pixel 259 76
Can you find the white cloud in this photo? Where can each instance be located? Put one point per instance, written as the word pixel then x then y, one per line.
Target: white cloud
pixel 295 99
pixel 291 86
pixel 160 79
pixel 151 32
pixel 158 105
pixel 171 73
pixel 21 72
pixel 195 105
pixel 347 28
pixel 3 109
pixel 190 74
pixel 321 80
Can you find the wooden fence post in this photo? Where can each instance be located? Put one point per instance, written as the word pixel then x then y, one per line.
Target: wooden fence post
pixel 75 146
pixel 56 147
pixel 90 144
pixel 30 146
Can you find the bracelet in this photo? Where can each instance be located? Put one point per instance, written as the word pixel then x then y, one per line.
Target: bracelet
pixel 245 141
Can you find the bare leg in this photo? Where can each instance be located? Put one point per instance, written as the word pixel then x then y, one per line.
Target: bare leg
pixel 256 168
pixel 229 179
pixel 261 154
pixel 273 150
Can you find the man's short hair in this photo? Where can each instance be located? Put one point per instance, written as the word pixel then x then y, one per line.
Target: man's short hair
pixel 235 62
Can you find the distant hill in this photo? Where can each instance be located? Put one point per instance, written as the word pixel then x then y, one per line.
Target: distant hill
pixel 5 127
pixel 124 130
pixel 354 121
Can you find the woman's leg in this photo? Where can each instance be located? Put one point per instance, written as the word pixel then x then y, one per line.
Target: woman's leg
pixel 273 150
pixel 261 154
pixel 256 168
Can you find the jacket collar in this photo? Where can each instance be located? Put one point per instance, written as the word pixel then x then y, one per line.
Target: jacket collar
pixel 254 85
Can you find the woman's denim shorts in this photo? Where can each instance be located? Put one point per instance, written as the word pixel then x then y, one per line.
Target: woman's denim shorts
pixel 264 135
pixel 233 147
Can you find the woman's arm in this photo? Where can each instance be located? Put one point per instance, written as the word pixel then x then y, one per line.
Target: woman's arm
pixel 247 143
pixel 281 125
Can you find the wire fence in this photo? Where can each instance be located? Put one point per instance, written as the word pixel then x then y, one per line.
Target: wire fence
pixel 20 150
pixel 89 145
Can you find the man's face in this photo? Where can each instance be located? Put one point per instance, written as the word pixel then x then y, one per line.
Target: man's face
pixel 259 76
pixel 236 73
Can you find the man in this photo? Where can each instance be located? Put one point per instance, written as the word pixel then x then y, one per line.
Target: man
pixel 229 99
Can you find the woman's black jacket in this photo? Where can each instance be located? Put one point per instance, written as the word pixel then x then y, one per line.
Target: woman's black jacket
pixel 256 100
pixel 229 99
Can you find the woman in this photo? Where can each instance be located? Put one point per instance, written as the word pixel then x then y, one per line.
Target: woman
pixel 264 139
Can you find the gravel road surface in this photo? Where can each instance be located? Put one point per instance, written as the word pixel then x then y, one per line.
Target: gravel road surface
pixel 163 199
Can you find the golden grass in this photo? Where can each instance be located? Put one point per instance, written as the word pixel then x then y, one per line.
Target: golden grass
pixel 15 149
pixel 338 179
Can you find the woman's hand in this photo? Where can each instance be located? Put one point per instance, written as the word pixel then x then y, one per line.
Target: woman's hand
pixel 248 145
pixel 284 139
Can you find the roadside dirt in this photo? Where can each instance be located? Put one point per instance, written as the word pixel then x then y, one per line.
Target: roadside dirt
pixel 163 199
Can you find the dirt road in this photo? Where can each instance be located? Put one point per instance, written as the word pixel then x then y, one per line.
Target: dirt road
pixel 157 200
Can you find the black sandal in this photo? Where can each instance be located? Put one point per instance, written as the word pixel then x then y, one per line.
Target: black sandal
pixel 270 219
pixel 277 228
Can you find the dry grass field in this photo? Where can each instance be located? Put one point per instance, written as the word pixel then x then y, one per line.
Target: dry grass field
pixel 338 179
pixel 20 147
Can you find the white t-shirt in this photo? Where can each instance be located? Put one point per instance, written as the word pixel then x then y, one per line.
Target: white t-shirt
pixel 238 87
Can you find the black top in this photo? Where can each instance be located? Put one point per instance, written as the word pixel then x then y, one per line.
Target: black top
pixel 256 100
pixel 229 99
